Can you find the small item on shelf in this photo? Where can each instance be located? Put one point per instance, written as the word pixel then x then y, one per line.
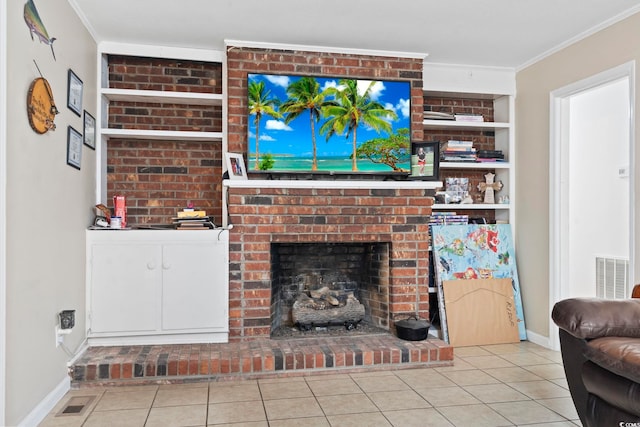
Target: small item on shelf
pixel 120 208
pixel 457 189
pixel 116 222
pixel 489 187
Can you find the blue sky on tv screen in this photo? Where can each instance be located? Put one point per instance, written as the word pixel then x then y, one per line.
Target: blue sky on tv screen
pixel 294 139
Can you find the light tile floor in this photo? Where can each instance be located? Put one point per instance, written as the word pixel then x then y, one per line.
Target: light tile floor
pixel 500 385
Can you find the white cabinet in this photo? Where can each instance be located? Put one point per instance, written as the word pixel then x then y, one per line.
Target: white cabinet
pixel 157 286
pixel 503 135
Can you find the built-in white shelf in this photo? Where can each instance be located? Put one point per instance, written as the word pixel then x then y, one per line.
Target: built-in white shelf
pixel 474 165
pixel 470 206
pixel 162 135
pixel 461 125
pixel 158 96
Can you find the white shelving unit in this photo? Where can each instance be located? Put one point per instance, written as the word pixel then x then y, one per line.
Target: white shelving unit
pixel 503 128
pixel 158 96
pixel 108 94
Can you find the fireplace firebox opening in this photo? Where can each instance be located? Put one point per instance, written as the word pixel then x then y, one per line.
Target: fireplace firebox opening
pixel 340 276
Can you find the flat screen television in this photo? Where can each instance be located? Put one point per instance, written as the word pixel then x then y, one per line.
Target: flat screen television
pixel 328 124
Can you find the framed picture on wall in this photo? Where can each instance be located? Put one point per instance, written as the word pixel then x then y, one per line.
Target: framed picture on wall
pixel 74 93
pixel 89 130
pixel 235 166
pixel 425 160
pixel 74 147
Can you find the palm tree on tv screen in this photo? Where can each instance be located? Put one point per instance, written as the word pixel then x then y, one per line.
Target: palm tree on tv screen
pixel 391 150
pixel 260 103
pixel 305 95
pixel 352 110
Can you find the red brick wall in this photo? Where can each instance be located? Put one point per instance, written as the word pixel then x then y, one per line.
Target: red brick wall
pixel 160 177
pixel 262 216
pixel 242 61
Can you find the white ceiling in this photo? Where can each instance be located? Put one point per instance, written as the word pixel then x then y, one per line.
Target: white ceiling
pixel 503 33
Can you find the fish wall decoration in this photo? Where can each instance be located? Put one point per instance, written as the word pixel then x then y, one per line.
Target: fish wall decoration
pixel 32 18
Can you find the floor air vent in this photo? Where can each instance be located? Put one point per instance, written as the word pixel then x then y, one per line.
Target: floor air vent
pixel 76 405
pixel 612 278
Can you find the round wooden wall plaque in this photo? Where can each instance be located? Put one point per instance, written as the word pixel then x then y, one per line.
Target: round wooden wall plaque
pixel 41 108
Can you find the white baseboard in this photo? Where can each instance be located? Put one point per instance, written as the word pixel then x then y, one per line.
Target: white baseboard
pixel 47 404
pixel 540 340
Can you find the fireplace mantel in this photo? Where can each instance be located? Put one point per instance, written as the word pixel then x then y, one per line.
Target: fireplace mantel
pixel 343 184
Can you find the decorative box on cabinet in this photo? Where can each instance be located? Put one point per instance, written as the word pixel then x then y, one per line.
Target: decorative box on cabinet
pixel 157 286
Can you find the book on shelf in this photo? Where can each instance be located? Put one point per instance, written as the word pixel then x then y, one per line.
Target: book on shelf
pixel 469 117
pixel 457 143
pixel 436 115
pixel 191 213
pixel 448 218
pixel 488 154
pixel 459 159
pixel 454 149
pixel 489 160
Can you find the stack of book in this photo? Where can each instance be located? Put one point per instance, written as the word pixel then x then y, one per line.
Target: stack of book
pixel 448 218
pixel 490 156
pixel 459 151
pixel 191 219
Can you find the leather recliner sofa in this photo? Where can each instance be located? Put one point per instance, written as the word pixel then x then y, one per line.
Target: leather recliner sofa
pixel 600 345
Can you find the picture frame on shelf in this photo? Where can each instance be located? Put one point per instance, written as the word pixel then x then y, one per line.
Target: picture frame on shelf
pixel 89 130
pixel 425 160
pixel 74 147
pixel 235 166
pixel 74 92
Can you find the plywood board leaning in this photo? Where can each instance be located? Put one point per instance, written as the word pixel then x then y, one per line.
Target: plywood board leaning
pixel 480 312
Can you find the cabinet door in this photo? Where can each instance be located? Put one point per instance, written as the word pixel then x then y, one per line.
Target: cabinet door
pixel 194 285
pixel 125 281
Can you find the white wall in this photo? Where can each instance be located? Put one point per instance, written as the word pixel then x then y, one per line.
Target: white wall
pixel 599 196
pixel 48 207
pixel 3 193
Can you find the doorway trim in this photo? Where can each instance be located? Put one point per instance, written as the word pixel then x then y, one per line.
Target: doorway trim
pixel 558 204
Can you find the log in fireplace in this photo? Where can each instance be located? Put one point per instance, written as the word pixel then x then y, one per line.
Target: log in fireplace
pixel 321 284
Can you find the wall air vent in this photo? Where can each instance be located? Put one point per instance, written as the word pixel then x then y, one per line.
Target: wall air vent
pixel 612 278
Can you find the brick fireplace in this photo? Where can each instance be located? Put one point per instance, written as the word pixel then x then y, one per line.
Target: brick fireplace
pixel 263 213
pixel 390 215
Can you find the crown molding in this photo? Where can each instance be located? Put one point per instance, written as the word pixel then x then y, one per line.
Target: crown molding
pixel 230 44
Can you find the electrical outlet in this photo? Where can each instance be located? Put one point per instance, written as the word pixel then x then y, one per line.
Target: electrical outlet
pixel 60 333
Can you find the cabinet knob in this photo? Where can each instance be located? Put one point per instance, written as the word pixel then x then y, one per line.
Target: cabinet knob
pixel 151 265
pixel 166 265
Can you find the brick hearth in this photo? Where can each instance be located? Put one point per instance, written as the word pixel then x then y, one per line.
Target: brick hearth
pixel 261 358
